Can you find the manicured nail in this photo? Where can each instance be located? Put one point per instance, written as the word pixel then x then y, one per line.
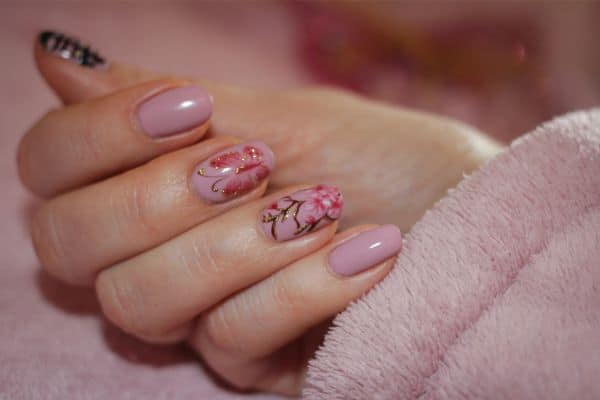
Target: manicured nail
pixel 302 212
pixel 233 171
pixel 365 250
pixel 71 49
pixel 175 111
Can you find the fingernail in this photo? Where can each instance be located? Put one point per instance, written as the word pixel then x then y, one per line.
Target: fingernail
pixel 70 49
pixel 365 250
pixel 233 171
pixel 302 212
pixel 174 111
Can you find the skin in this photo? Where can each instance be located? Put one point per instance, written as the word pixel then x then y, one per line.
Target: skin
pixel 161 260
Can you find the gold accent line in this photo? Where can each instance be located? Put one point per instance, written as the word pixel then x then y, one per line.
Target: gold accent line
pixel 214 187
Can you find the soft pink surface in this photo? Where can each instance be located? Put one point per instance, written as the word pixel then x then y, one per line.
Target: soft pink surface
pixel 495 294
pixel 52 344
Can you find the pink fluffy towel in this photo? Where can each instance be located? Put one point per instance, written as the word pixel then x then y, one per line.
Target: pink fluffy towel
pixel 496 294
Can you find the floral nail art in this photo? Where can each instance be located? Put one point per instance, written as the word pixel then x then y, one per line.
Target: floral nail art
pixel 302 212
pixel 233 172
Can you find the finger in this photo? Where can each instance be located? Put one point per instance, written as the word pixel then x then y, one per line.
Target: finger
pixel 241 111
pixel 79 233
pixel 262 319
pixel 160 290
pixel 244 112
pixel 77 72
pixel 85 142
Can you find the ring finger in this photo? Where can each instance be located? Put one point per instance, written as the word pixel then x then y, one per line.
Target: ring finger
pixel 163 289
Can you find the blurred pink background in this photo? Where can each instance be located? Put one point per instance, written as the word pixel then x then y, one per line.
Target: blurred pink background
pixel 503 67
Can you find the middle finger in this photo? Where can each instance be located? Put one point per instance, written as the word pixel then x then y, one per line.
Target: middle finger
pixel 79 233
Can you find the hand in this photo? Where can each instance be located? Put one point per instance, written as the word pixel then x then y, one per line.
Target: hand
pixel 174 260
pixel 391 163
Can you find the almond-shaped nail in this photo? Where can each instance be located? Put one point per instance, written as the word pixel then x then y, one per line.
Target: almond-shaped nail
pixel 302 212
pixel 174 111
pixel 233 171
pixel 365 250
pixel 71 49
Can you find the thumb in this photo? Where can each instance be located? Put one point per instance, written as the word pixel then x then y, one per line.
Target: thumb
pixel 77 72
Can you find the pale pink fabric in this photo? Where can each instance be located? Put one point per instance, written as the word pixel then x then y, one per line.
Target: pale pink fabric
pixel 497 291
pixel 53 345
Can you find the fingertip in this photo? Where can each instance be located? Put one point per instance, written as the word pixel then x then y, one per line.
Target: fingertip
pixel 69 82
pixel 365 250
pixel 175 107
pixel 76 71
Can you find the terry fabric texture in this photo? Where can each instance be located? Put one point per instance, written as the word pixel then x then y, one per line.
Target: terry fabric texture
pixel 496 294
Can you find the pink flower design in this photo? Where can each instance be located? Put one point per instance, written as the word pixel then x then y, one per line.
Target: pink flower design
pixel 336 208
pixel 249 157
pixel 323 201
pixel 245 180
pixel 246 167
pixel 302 212
pixel 310 219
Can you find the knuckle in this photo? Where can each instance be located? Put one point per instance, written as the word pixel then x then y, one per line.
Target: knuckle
pixel 118 302
pixel 200 259
pixel 286 294
pixel 29 159
pixel 90 144
pixel 38 148
pixel 121 304
pixel 138 207
pixel 53 245
pixel 24 164
pixel 48 242
pixel 219 332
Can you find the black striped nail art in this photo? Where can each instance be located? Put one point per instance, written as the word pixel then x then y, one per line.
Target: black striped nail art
pixel 70 49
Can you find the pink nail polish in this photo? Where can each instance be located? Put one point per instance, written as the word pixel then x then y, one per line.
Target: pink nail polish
pixel 302 212
pixel 233 171
pixel 174 111
pixel 365 250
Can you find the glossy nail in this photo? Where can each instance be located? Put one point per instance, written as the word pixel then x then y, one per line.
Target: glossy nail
pixel 70 49
pixel 302 212
pixel 174 111
pixel 233 171
pixel 365 250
